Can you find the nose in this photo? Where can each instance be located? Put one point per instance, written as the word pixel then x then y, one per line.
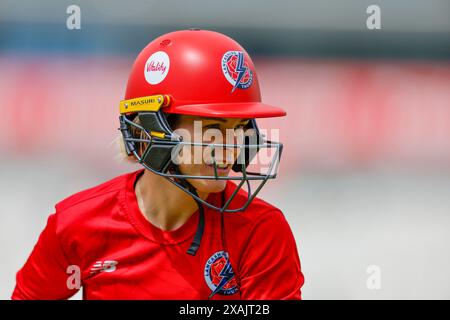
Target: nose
pixel 223 155
pixel 226 152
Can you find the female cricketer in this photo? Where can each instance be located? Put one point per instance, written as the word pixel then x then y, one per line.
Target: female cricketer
pixel 187 224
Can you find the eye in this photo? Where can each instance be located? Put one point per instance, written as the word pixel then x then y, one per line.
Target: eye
pixel 241 126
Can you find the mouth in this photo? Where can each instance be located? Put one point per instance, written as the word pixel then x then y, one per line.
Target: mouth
pixel 221 168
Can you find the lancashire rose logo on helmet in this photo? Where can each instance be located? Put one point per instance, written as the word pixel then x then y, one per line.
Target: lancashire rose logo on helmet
pixel 157 67
pixel 236 70
pixel 219 274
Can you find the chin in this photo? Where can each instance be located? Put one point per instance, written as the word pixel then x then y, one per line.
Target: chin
pixel 208 186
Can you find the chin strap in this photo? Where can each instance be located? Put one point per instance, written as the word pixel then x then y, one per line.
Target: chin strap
pixel 195 244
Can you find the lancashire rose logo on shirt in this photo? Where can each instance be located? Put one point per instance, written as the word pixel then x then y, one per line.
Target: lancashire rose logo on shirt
pixel 157 67
pixel 236 70
pixel 219 274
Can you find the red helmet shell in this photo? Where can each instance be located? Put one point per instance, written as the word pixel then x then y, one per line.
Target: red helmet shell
pixel 205 73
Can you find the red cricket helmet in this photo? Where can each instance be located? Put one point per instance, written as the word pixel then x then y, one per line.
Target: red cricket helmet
pixel 201 73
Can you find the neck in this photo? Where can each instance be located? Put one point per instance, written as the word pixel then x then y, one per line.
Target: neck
pixel 162 203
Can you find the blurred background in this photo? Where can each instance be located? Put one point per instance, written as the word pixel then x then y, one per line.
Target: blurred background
pixel 365 176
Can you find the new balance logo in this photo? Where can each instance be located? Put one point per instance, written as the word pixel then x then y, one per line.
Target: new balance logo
pixel 104 266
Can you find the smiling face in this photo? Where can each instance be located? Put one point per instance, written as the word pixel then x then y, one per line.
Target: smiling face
pixel 199 160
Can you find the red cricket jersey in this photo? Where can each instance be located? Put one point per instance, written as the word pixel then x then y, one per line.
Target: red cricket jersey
pixel 121 255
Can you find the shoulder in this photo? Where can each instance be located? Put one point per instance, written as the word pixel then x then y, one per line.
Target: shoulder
pixel 83 221
pixel 90 194
pixel 92 202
